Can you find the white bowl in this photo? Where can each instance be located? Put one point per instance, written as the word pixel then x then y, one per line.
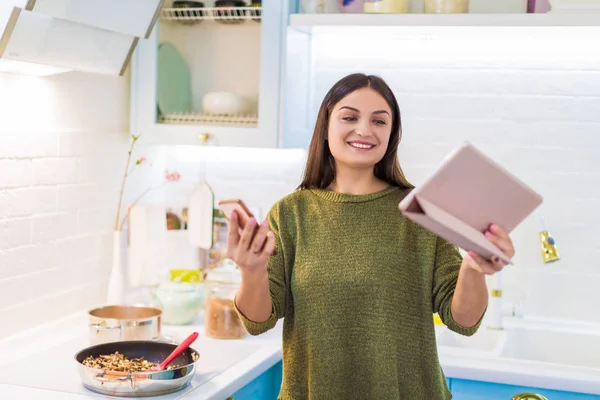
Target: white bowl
pixel 223 103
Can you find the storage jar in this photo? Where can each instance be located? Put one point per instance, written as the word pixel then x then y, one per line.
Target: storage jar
pixel 446 6
pixel 386 6
pixel 221 319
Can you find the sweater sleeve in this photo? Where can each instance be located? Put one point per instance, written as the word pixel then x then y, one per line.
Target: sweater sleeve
pixel 445 276
pixel 277 282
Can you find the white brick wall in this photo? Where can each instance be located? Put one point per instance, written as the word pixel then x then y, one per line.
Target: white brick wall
pixel 61 154
pixel 539 117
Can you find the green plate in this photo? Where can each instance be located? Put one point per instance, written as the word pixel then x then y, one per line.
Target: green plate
pixel 174 91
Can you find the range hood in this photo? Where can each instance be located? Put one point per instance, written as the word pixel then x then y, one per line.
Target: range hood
pixel 42 37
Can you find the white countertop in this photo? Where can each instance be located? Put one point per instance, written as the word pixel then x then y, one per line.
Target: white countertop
pixel 225 366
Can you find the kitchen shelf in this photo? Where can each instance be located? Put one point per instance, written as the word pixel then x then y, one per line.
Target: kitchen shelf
pixel 236 50
pixel 308 21
pixel 227 15
pixel 245 120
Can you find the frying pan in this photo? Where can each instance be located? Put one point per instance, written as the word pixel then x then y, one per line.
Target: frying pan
pixel 137 384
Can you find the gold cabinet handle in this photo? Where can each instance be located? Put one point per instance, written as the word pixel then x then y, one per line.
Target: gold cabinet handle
pixel 204 137
pixel 528 396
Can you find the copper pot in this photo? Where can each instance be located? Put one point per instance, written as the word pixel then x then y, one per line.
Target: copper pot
pixel 119 323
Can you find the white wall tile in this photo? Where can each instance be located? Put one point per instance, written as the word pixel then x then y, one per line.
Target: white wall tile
pixel 28 145
pixel 15 232
pixel 15 173
pixel 51 227
pixel 32 200
pixel 63 303
pixel 71 144
pixel 50 171
pixel 62 149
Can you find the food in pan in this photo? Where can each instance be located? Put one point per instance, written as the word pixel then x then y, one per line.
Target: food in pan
pixel 118 362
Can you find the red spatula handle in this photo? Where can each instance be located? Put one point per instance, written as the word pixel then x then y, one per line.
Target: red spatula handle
pixel 183 346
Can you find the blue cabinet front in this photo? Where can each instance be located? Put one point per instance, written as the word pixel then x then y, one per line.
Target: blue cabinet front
pixel 463 389
pixel 265 387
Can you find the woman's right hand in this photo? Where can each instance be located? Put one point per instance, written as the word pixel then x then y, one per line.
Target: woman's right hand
pixel 251 248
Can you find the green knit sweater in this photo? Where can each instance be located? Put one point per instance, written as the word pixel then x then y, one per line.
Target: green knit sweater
pixel 356 284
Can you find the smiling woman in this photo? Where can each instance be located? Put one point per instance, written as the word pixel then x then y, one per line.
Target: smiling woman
pixel 360 116
pixel 355 282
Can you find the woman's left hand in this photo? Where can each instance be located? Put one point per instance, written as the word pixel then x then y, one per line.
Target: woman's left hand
pixel 500 238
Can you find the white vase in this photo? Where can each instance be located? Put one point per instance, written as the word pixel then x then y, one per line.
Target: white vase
pixel 117 282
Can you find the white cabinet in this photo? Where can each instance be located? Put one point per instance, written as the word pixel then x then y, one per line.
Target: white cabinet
pixel 235 50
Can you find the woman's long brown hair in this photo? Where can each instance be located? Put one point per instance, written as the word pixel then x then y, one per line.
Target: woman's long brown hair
pixel 320 165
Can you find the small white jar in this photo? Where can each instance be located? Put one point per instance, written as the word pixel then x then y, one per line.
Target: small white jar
pixel 181 302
